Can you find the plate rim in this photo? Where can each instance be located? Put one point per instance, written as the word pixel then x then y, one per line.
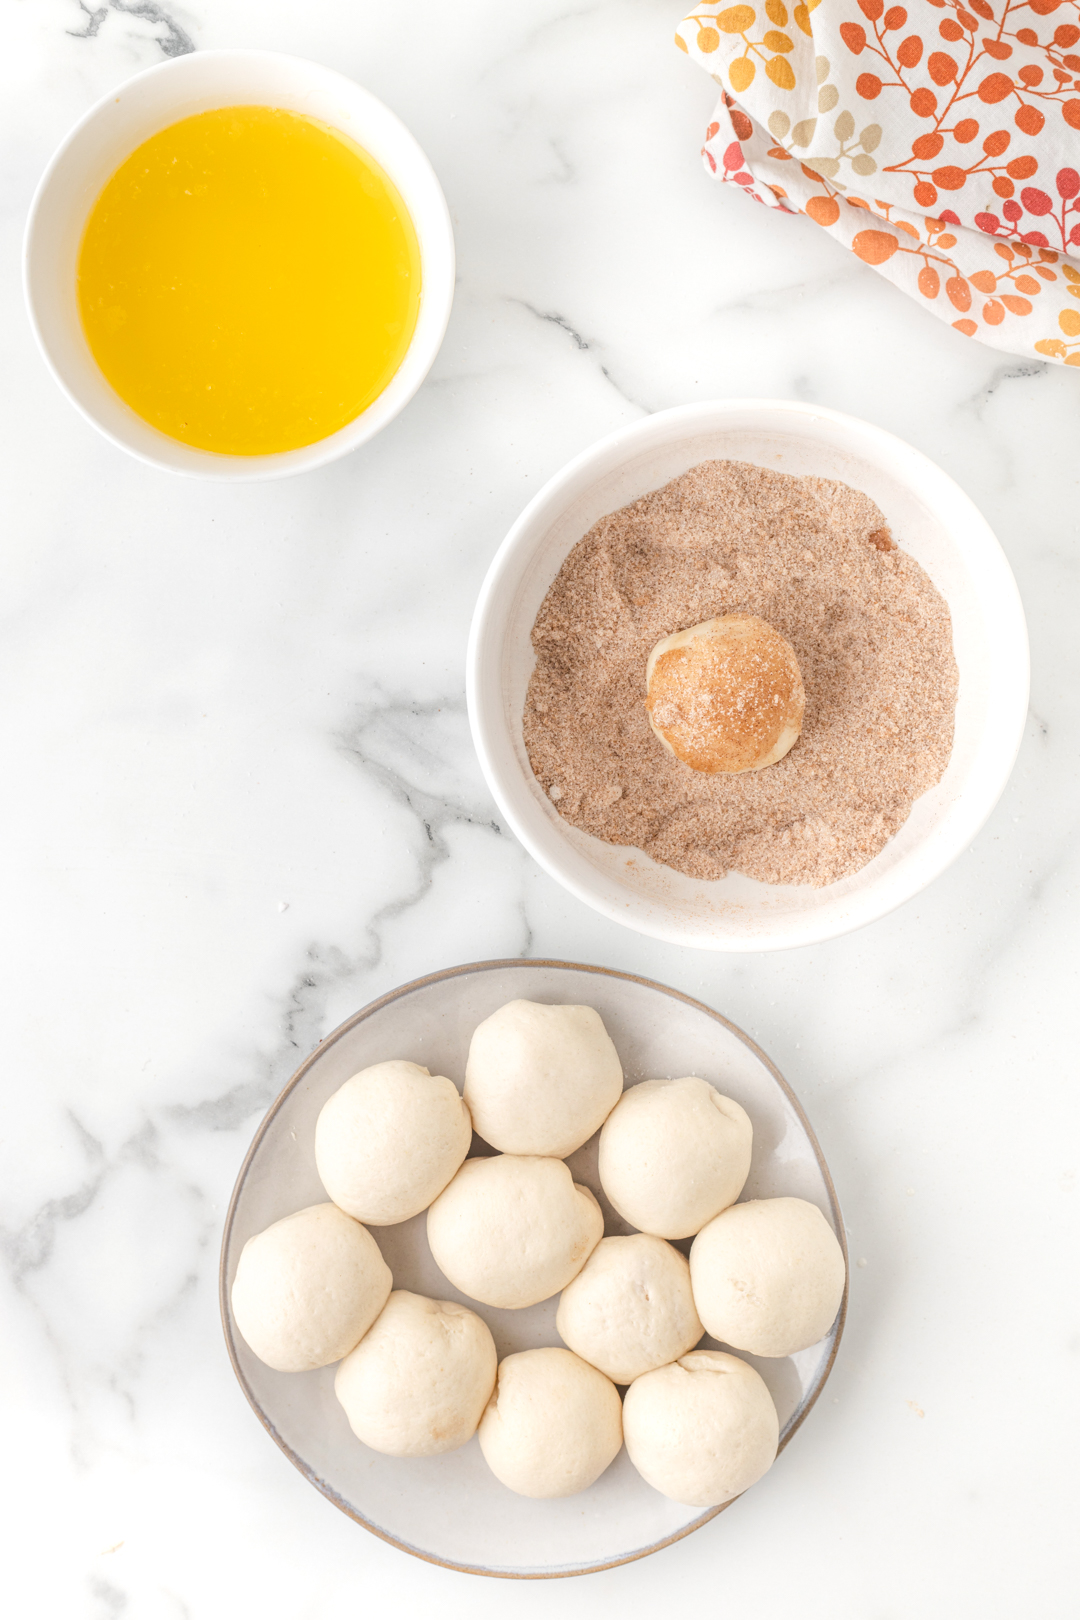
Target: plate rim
pixel 344 1028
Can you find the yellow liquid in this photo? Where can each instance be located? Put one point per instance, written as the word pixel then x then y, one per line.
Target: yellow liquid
pixel 249 280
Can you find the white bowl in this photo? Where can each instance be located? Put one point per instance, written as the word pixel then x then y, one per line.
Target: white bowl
pixel 451 1509
pixel 112 130
pixel 930 517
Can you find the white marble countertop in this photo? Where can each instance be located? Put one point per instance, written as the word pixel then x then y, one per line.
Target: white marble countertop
pixel 240 801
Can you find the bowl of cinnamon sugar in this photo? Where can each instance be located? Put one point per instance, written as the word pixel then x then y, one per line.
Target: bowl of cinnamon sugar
pixel 672 553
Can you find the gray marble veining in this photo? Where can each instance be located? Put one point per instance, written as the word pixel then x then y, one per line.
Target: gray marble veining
pixel 241 801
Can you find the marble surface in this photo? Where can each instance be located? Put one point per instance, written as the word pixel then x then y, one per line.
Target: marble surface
pixel 240 800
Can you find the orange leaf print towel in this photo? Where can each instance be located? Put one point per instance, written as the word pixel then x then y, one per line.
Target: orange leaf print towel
pixel 939 141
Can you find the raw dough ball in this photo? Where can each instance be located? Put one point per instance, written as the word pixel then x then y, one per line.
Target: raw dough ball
pixel 553 1424
pixel 513 1231
pixel 389 1140
pixel 701 1430
pixel 308 1288
pixel 418 1381
pixel 768 1276
pixel 541 1080
pixel 630 1308
pixel 725 695
pixel 673 1154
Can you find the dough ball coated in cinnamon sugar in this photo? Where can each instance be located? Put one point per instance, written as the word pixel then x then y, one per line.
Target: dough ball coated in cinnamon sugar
pixel 726 695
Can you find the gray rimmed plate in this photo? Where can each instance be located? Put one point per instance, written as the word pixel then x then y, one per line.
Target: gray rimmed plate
pixel 451 1510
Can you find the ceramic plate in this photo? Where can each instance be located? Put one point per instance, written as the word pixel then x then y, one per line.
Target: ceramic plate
pixel 451 1510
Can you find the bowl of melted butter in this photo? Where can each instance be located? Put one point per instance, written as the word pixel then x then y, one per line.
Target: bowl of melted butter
pixel 239 265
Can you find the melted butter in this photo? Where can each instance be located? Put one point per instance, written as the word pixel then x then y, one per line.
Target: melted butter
pixel 249 280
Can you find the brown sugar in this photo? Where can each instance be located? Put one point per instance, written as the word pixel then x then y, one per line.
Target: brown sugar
pixel 872 636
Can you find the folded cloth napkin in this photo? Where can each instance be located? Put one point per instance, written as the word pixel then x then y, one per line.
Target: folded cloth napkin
pixel 939 141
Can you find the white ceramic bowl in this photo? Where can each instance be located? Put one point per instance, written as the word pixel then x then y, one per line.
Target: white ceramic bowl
pixel 930 517
pixel 451 1509
pixel 119 123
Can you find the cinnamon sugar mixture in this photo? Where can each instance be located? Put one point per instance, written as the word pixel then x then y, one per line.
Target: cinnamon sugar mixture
pixel 873 639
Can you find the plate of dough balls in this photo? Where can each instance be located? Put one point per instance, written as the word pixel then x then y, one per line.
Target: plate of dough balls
pixel 533 1268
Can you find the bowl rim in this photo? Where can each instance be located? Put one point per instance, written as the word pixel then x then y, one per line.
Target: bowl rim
pixel 221 468
pixel 350 1024
pixel 486 714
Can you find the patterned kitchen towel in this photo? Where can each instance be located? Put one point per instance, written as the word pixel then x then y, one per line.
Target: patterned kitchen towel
pixel 939 141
